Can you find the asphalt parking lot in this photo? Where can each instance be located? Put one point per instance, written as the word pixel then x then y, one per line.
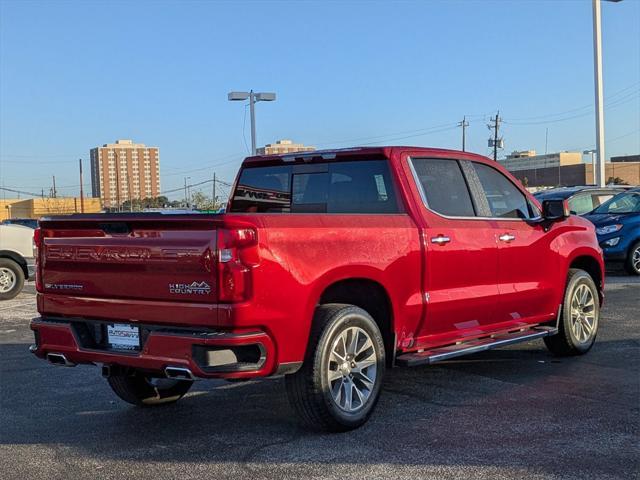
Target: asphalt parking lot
pixel 511 413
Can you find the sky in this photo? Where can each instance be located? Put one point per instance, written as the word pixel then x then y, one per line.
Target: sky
pixel 78 74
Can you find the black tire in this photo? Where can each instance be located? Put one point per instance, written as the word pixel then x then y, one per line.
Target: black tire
pixel 631 265
pixel 567 342
pixel 12 277
pixel 310 390
pixel 142 390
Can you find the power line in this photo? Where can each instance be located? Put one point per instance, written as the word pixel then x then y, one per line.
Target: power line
pixel 20 192
pixel 618 102
pixel 208 167
pixel 577 109
pixel 385 136
pixel 188 186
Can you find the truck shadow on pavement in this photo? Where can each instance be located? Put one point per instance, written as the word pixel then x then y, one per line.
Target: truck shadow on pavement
pixel 516 408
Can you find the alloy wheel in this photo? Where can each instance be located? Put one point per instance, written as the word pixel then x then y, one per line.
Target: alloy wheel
pixel 7 280
pixel 635 259
pixel 583 313
pixel 352 369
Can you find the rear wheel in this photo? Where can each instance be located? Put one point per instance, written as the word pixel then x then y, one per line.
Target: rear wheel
pixel 144 390
pixel 632 265
pixel 338 386
pixel 11 279
pixel 578 325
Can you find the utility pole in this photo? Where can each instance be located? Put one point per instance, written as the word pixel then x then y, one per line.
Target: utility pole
pixel 464 124
pixel 495 142
pixel 81 188
pixel 54 193
pixel 186 199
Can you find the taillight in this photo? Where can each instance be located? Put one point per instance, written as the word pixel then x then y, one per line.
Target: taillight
pixel 237 255
pixel 37 249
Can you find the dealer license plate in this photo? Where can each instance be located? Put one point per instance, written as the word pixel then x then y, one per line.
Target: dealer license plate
pixel 123 337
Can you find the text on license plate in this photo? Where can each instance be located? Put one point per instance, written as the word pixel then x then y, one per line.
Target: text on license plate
pixel 123 336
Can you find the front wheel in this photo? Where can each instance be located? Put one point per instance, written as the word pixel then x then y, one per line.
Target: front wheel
pixel 338 386
pixel 578 325
pixel 143 390
pixel 632 265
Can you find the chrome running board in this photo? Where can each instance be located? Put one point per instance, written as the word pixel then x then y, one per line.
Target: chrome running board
pixel 473 346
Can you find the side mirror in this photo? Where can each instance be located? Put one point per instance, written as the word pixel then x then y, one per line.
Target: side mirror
pixel 555 210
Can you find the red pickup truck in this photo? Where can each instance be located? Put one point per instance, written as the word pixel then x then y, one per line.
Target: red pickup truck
pixel 327 268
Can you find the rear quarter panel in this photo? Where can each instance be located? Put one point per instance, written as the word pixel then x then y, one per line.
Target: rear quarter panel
pixel 302 254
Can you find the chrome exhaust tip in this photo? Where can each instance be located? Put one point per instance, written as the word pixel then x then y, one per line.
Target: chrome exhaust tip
pixel 59 360
pixel 179 373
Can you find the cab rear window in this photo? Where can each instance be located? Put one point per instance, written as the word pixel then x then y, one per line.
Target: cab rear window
pixel 363 186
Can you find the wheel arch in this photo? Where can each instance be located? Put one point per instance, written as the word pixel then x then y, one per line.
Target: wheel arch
pixel 371 296
pixel 593 267
pixel 16 257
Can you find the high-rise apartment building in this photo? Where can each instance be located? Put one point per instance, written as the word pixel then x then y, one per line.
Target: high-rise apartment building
pixel 124 171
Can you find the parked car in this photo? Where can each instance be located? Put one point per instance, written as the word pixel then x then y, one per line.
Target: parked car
pixel 618 228
pixel 16 259
pixel 328 267
pixel 582 199
pixel 25 222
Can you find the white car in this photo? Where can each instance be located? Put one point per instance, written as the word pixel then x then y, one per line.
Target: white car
pixel 17 261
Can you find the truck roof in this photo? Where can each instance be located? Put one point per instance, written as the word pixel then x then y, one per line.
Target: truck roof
pixel 378 151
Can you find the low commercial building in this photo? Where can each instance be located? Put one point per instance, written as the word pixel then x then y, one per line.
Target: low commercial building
pixel 282 147
pixel 528 160
pixel 41 207
pixel 580 174
pixel 626 158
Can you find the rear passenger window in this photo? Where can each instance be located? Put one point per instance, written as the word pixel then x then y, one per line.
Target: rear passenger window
pixel 263 189
pixel 444 186
pixel 505 199
pixel 361 187
pixel 342 187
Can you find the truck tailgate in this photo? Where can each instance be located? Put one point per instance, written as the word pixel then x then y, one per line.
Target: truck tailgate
pixel 154 258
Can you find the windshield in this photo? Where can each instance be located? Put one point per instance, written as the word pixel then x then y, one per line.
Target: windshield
pixel 622 203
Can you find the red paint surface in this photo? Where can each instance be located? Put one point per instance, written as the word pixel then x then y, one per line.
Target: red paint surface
pixel 476 284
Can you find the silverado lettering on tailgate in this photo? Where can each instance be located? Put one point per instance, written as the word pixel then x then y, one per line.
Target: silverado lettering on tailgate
pixel 117 254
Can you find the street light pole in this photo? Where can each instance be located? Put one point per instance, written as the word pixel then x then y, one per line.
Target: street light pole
pixel 597 73
pixel 252 111
pixel 253 97
pixel 597 65
pixel 593 164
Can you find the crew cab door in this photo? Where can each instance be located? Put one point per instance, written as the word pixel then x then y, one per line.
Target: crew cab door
pixel 527 265
pixel 460 265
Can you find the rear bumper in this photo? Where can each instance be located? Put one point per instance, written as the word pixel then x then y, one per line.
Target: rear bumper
pixel 161 347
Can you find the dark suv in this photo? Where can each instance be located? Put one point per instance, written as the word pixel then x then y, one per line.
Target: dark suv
pixel 618 228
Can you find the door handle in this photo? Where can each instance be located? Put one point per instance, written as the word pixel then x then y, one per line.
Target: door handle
pixel 440 239
pixel 506 237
